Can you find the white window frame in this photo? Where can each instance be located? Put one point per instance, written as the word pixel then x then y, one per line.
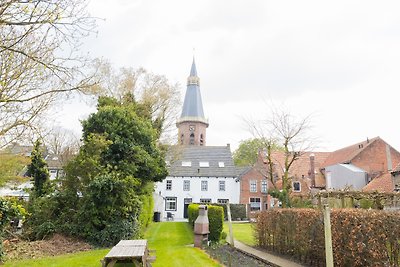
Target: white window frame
pixel 222 201
pixel 221 164
pixel 186 185
pixel 205 200
pixel 169 201
pixel 253 186
pixel 168 185
pixel 222 185
pixel 298 184
pixel 264 186
pixel 255 207
pixel 204 185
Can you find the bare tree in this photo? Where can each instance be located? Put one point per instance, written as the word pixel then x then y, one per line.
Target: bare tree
pixel 39 59
pixel 62 143
pixel 154 92
pixel 289 132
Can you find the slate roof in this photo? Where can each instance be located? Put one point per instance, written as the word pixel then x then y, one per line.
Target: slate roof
pixel 196 154
pixel 192 109
pixel 382 184
pixel 345 155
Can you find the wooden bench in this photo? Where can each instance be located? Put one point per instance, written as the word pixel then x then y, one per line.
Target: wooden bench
pixel 132 251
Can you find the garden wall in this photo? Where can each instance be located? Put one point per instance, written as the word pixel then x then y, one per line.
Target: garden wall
pixel 359 237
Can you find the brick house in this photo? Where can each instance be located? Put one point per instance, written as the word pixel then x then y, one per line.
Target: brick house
pixel 373 156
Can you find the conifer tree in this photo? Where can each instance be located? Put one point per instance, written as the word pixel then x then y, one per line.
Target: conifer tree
pixel 38 171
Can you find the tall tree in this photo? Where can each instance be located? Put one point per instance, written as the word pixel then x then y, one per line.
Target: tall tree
pixel 292 134
pixel 39 59
pixel 38 171
pixel 156 97
pixel 248 150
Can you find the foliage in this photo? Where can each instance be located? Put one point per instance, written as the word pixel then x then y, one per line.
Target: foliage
pixel 107 192
pixel 38 172
pixel 247 152
pixel 238 211
pixel 11 167
pixel 9 209
pixel 371 236
pixel 39 59
pixel 215 219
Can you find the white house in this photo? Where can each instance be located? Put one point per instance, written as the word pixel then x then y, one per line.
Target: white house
pixel 199 174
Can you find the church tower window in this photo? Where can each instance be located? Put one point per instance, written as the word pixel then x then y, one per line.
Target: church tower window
pixel 191 139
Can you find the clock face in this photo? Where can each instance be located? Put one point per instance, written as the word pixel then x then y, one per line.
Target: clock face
pixel 191 128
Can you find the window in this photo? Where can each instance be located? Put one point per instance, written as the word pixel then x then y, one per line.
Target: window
pixel 182 136
pixel 186 164
pixel 296 187
pixel 255 203
pixel 205 200
pixel 168 163
pixel 222 201
pixel 221 185
pixel 169 185
pixel 191 140
pixel 170 203
pixel 204 185
pixel 204 164
pixel 264 186
pixel 186 185
pixel 253 186
pixel 221 164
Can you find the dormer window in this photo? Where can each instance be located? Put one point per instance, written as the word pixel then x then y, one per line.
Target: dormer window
pixel 204 164
pixel 221 164
pixel 186 164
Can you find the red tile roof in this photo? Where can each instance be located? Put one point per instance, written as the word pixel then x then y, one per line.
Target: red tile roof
pixel 346 154
pixel 383 184
pixel 301 166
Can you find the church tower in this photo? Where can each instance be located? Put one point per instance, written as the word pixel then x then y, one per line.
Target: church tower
pixel 192 124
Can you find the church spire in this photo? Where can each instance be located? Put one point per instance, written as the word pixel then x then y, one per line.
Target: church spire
pixel 192 124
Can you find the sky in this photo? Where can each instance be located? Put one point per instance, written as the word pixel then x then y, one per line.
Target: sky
pixel 337 60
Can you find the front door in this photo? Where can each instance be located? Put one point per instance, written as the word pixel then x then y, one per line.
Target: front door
pixel 186 203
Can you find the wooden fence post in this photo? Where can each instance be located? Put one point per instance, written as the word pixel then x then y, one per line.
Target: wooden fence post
pixel 228 211
pixel 328 236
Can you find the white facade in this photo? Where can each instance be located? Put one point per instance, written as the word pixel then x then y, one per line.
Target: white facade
pixel 175 193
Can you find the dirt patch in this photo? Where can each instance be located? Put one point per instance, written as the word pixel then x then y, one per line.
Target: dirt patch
pixel 56 245
pixel 230 256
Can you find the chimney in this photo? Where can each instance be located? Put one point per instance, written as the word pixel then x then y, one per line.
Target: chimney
pixel 312 169
pixel 388 158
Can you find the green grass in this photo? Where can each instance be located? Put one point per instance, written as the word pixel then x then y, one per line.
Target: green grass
pixel 171 240
pixel 242 232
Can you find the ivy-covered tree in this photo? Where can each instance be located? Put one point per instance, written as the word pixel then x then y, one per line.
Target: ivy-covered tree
pixel 38 171
pixel 117 162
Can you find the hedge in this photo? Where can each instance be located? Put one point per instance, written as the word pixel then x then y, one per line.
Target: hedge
pixel 359 237
pixel 238 211
pixel 215 219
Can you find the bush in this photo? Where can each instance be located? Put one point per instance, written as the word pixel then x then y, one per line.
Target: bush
pixel 238 211
pixel 215 219
pixel 114 232
pixel 359 237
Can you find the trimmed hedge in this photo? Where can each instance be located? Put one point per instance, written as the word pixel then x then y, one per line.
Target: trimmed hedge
pixel 238 211
pixel 359 237
pixel 215 219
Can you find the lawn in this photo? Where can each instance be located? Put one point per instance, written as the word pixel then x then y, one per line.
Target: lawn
pixel 242 232
pixel 171 240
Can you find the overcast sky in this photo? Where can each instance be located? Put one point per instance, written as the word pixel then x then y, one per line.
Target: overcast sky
pixel 339 60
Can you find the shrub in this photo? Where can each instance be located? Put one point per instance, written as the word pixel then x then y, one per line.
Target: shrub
pixel 215 219
pixel 238 211
pixel 359 237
